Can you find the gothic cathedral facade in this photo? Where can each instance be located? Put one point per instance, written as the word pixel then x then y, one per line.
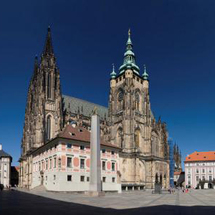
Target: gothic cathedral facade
pixel 128 122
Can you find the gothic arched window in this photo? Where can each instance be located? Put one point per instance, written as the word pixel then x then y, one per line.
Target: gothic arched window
pixel 137 138
pixel 137 101
pixel 120 99
pixel 48 128
pixel 49 86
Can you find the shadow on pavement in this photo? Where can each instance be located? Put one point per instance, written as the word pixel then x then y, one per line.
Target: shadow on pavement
pixel 19 203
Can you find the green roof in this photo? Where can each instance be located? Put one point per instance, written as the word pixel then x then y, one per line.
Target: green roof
pixel 75 105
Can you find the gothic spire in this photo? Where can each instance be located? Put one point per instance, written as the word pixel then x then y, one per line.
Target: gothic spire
pixel 113 73
pixel 35 62
pixel 48 48
pixel 129 57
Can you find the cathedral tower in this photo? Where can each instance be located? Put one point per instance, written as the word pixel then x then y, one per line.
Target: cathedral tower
pixel 129 106
pixel 43 113
pixel 143 141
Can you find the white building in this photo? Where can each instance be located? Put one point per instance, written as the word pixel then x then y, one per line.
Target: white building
pixel 5 165
pixel 63 164
pixel 200 169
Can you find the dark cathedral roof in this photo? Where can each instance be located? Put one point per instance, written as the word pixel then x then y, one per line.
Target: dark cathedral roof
pixel 75 105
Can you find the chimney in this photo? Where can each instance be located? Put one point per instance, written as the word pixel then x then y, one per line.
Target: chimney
pixel 0 146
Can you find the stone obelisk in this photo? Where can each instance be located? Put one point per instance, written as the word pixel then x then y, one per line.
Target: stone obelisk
pixel 95 158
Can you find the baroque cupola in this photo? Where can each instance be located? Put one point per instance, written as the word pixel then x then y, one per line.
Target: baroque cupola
pixel 129 61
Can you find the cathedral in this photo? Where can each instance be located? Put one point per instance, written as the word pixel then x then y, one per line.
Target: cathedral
pixel 128 123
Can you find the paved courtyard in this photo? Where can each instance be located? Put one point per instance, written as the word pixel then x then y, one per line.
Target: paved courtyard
pixel 42 202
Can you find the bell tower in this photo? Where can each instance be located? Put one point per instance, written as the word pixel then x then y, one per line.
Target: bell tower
pixel 129 106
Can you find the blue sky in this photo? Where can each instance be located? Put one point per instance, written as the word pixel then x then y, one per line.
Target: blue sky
pixel 175 39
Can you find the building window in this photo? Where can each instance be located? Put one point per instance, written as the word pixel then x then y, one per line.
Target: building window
pixel 203 177
pixel 120 99
pixel 69 177
pixel 54 162
pixel 59 163
pixel 54 177
pixel 82 164
pixel 103 151
pixel 82 178
pixel 39 166
pixel 104 179
pixel 48 128
pixel 103 165
pixel 113 166
pixel 49 86
pixel 137 101
pixel 88 179
pixel 210 177
pixel 203 170
pixel 82 147
pixel 69 162
pixel 197 178
pixel 113 179
pixel 46 164
pixel 50 163
pixel 69 146
pixel 197 170
pixel 112 152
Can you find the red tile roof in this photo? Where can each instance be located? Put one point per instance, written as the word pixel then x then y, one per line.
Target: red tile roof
pixel 81 134
pixel 201 156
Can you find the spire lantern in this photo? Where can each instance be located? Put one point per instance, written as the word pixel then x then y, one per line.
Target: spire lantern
pixel 113 73
pixel 129 43
pixel 129 57
pixel 145 74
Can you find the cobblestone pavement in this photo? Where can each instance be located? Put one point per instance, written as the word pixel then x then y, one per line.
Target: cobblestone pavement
pixel 42 202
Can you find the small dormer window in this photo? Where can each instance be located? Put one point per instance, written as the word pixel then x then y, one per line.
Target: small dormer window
pixel 80 130
pixel 103 151
pixel 82 147
pixel 72 134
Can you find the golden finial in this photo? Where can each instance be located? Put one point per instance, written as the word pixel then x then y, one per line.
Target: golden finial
pixel 129 32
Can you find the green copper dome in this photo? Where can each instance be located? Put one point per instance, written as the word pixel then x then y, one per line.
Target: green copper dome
pixel 145 74
pixel 129 58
